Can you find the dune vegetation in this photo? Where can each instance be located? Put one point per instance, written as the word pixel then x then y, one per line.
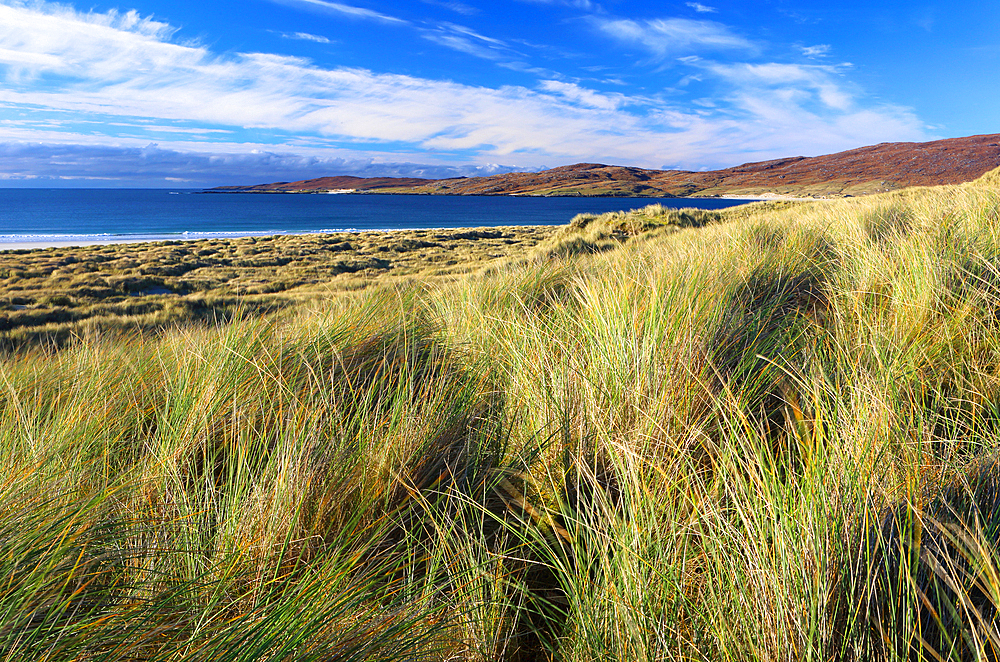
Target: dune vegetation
pixel 761 433
pixel 54 295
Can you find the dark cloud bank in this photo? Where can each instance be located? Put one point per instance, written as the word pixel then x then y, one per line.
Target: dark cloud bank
pixel 35 165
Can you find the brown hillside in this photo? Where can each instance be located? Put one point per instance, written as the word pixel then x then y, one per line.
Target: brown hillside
pixel 887 165
pixel 323 184
pixel 855 172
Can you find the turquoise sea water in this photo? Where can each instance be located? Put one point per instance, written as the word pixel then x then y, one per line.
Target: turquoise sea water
pixel 42 215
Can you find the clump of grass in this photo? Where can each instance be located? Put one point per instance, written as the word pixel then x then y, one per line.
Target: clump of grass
pixel 239 476
pixel 593 233
pixel 926 584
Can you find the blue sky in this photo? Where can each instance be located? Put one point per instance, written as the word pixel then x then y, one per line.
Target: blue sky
pixel 186 93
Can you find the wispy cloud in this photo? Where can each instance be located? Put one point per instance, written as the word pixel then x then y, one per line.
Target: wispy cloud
pixel 819 50
pixel 583 96
pixel 457 7
pixel 586 5
pixel 671 37
pixel 341 9
pixel 194 131
pixel 469 32
pixel 703 9
pixel 305 36
pixel 467 40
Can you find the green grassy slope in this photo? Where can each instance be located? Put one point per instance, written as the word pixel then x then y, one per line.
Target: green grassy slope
pixel 735 435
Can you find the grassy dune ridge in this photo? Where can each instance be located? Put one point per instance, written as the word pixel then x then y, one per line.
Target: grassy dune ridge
pixel 762 433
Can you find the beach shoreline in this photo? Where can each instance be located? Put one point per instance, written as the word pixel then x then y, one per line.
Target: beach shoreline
pixel 762 197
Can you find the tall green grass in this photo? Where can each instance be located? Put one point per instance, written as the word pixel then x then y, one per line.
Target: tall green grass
pixel 767 433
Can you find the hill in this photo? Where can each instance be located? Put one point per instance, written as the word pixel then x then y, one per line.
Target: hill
pixel 325 184
pixel 862 171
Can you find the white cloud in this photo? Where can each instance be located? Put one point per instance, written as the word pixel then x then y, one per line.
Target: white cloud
pixel 341 9
pixel 46 40
pixel 135 74
pixel 469 32
pixel 819 50
pixel 583 96
pixel 457 7
pixel 305 36
pixel 468 41
pixel 672 37
pixel 586 5
pixel 807 109
pixel 703 9
pixel 195 131
pixel 789 80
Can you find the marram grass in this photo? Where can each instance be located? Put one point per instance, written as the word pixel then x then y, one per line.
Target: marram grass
pixel 767 433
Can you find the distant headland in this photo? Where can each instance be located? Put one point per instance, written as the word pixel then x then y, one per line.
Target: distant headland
pixel 862 171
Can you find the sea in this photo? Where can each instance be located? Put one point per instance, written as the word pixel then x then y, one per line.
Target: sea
pixel 97 215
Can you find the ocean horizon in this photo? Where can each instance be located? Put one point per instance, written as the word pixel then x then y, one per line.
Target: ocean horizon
pixel 29 216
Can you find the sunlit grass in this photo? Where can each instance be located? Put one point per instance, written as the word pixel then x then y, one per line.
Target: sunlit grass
pixel 767 433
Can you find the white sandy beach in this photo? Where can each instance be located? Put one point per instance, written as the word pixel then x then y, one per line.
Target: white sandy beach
pixel 766 197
